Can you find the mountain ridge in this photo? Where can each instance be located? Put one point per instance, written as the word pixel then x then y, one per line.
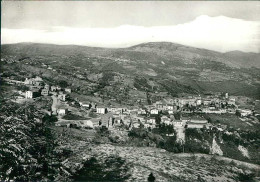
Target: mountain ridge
pixel 161 50
pixel 158 67
pixel 136 45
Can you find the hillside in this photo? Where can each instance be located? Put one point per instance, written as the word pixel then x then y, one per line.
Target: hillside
pixel 152 67
pixel 176 167
pixel 138 162
pixel 162 49
pixel 243 58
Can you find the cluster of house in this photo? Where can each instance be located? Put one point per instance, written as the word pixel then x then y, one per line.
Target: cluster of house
pixel 114 117
pixel 11 81
pixel 191 104
pixel 145 117
pixel 102 109
pixel 197 104
pixel 136 117
pixel 38 88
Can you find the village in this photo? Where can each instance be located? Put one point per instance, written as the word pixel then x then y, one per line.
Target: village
pixel 180 113
pixel 130 91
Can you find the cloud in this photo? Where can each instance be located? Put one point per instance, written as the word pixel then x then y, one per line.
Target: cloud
pixel 215 33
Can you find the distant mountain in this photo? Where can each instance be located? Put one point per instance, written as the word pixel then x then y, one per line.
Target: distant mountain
pixel 244 58
pixel 234 58
pixel 31 49
pixel 154 66
pixel 165 50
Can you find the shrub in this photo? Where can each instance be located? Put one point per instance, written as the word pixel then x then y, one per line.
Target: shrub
pixel 73 117
pixel 27 146
pixel 92 114
pixel 203 158
pixel 112 168
pixel 232 163
pixel 63 83
pixel 151 177
pixel 247 177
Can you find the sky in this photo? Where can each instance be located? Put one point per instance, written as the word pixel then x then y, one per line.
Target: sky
pixel 219 25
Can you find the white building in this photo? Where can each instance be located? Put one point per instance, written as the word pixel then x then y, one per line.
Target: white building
pixel 45 92
pixel 198 102
pixel 207 102
pixel 31 94
pixel 231 101
pixel 146 125
pixel 216 111
pixel 226 95
pixel 170 112
pixel 29 81
pixel 154 111
pixel 184 101
pixel 62 111
pixel 38 79
pixel 53 88
pixel 62 97
pixel 245 112
pixel 166 120
pixel 141 111
pixel 85 105
pixel 58 88
pixel 151 121
pixel 68 90
pixel 178 124
pixel 28 95
pixel 101 110
pixel 169 107
pixel 136 125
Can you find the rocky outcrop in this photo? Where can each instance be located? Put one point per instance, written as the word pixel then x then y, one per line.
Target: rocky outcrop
pixel 244 151
pixel 215 148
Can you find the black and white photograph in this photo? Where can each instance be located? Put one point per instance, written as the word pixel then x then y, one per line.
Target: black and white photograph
pixel 134 91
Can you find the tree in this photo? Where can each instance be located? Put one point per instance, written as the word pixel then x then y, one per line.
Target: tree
pixel 238 113
pixel 247 177
pixel 49 119
pixel 63 83
pixel 112 168
pixel 158 120
pixel 23 88
pixel 177 116
pixel 151 177
pixel 27 145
